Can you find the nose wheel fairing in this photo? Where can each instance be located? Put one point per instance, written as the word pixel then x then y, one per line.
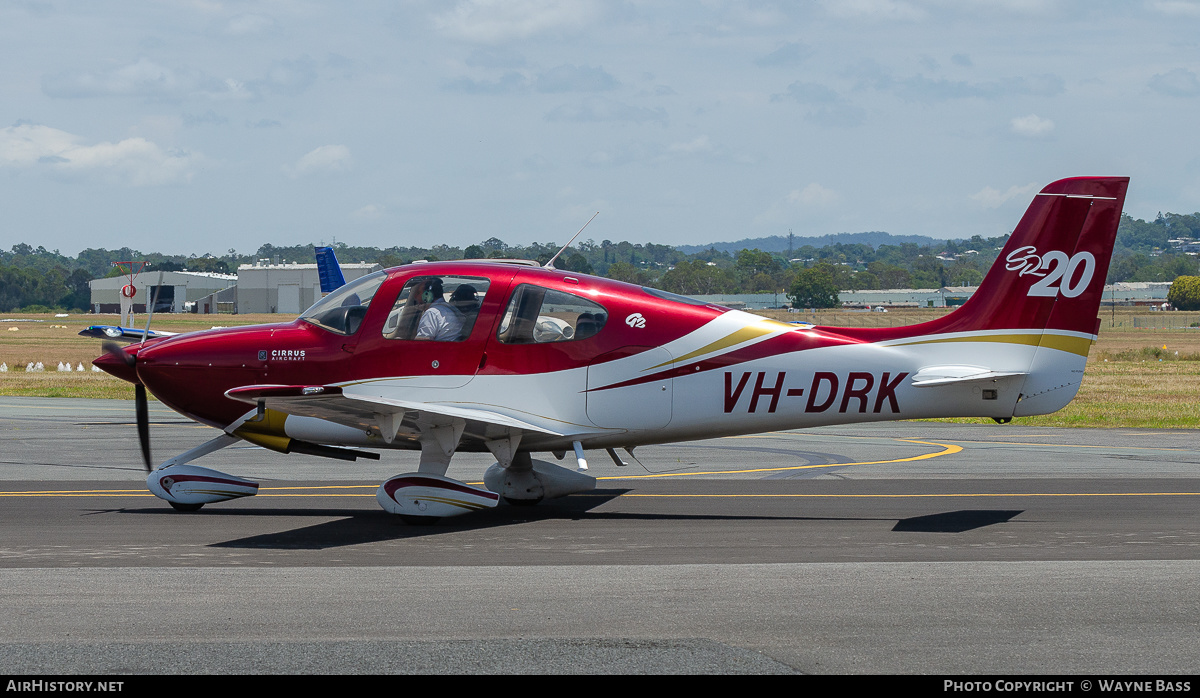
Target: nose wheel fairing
pixel 188 485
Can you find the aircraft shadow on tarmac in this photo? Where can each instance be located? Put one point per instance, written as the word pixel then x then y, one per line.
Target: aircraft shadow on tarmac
pixel 955 521
pixel 356 526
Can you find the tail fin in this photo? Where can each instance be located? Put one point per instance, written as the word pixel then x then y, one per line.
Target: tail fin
pixel 1051 273
pixel 328 270
pixel 1043 292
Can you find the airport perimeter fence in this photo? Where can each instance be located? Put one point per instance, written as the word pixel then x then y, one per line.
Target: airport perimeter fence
pixel 1162 321
pixel 897 317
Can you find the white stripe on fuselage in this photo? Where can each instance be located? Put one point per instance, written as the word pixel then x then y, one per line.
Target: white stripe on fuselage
pixel 812 387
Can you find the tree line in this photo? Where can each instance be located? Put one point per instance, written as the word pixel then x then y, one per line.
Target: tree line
pixel 39 279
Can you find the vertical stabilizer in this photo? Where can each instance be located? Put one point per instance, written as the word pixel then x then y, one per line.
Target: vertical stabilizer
pixel 1041 298
pixel 328 270
pixel 1051 273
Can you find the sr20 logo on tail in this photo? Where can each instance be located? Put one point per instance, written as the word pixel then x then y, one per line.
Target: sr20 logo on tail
pixel 1060 270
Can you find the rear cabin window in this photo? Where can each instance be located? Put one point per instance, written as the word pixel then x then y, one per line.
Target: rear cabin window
pixel 537 315
pixel 436 308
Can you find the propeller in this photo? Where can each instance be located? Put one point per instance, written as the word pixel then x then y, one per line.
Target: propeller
pixel 141 404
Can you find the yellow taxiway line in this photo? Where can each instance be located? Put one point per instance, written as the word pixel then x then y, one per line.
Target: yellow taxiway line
pixel 946 495
pixel 929 496
pixel 947 449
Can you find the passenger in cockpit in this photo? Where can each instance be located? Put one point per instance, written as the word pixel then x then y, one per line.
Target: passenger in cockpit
pixel 465 302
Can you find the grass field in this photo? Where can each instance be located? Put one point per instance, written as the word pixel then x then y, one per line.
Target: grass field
pixel 1143 372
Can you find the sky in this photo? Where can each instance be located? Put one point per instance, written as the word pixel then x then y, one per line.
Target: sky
pixel 199 126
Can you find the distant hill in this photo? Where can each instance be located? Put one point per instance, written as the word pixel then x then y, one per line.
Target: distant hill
pixel 779 243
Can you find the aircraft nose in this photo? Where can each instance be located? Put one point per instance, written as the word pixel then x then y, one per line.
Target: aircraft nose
pixel 117 366
pixel 180 365
pixel 155 362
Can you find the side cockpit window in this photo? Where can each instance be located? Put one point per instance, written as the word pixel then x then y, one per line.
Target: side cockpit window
pixel 437 308
pixel 537 315
pixel 343 310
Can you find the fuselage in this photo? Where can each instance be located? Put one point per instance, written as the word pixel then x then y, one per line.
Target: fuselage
pixel 605 362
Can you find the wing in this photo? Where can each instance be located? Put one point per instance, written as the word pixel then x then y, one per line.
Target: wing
pixel 397 419
pixel 121 334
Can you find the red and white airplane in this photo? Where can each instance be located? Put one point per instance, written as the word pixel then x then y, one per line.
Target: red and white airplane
pixel 514 359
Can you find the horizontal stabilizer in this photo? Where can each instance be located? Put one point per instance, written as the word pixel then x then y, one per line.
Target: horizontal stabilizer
pixel 932 376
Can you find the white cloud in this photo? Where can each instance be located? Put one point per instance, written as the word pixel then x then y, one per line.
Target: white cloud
pixel 698 145
pixel 143 78
pixel 813 195
pixel 575 78
pixel 1011 7
pixel 1179 82
pixel 601 110
pixel 802 203
pixel 497 21
pixel 994 198
pixel 134 161
pixel 1179 8
pixel 149 80
pixel 1031 125
pixel 873 9
pixel 370 212
pixel 509 83
pixel 328 159
pixel 788 55
pixel 247 24
pixel 579 214
pixel 824 106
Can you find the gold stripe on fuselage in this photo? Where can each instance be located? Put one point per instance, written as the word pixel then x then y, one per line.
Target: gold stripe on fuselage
pixel 1068 343
pixel 745 334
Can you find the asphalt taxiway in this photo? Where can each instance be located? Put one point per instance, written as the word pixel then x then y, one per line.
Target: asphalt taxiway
pixel 897 547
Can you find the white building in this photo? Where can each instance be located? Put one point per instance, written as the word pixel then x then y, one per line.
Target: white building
pixel 178 288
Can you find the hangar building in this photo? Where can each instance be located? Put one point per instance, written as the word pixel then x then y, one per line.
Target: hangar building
pixel 178 288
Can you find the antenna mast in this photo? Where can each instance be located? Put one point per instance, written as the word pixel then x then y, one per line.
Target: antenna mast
pixel 550 264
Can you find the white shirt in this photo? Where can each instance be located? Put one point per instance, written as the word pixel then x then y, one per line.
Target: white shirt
pixel 440 322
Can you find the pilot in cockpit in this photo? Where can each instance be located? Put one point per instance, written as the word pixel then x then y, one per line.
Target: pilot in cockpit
pixel 440 321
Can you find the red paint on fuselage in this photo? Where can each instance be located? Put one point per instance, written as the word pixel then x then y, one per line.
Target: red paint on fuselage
pixel 190 373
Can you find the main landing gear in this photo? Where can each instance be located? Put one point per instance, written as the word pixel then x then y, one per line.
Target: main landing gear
pixel 520 480
pixel 419 498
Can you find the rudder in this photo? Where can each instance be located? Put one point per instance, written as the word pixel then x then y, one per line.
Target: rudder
pixel 1050 274
pixel 328 270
